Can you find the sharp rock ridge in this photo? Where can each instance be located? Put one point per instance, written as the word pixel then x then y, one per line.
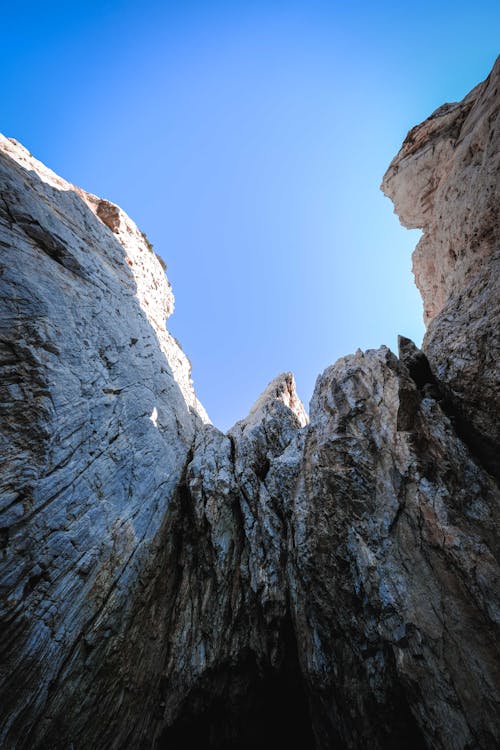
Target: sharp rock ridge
pixel 323 583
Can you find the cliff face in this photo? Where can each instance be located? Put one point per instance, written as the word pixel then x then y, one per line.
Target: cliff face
pixel 445 181
pixel 98 417
pixel 323 584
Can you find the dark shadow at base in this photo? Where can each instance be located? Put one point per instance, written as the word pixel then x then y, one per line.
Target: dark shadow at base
pixel 245 706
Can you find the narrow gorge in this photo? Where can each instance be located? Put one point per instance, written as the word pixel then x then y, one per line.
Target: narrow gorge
pixel 321 580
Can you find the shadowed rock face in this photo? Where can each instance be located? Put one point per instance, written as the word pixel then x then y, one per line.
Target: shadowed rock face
pixel 395 564
pixel 322 584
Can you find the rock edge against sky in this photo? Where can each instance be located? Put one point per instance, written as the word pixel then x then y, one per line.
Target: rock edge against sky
pixel 329 581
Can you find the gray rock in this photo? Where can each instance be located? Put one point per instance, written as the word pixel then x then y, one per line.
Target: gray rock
pixel 231 638
pixel 331 583
pixel 98 416
pixel 445 180
pixel 395 541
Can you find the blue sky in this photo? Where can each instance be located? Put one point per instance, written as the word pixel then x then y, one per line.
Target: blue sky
pixel 249 140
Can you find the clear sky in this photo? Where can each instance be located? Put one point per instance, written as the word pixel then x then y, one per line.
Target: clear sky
pixel 249 139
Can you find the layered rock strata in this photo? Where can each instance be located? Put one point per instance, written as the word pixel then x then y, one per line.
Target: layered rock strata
pixel 323 583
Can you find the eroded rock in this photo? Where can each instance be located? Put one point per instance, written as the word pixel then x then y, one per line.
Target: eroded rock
pixel 395 541
pixel 445 180
pixel 98 417
pixel 331 583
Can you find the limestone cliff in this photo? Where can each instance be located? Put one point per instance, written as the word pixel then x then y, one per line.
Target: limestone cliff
pixel 445 180
pixel 292 583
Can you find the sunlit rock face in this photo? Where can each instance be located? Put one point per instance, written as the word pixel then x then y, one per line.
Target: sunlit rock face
pixel 98 416
pixel 445 180
pixel 296 583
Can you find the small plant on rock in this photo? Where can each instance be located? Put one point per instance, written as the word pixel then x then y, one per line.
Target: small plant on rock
pixel 148 243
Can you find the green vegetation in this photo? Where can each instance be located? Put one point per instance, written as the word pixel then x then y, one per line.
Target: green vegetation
pixel 148 243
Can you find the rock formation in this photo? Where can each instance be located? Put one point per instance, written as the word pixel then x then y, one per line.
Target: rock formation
pixel 445 180
pixel 292 583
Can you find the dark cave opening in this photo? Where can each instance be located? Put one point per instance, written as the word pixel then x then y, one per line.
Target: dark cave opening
pixel 245 706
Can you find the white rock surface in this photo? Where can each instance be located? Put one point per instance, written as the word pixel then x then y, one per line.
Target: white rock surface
pixel 446 180
pixel 87 474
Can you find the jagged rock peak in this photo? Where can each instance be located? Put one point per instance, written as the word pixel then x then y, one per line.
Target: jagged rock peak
pixel 283 390
pixel 331 584
pixel 444 180
pixel 52 213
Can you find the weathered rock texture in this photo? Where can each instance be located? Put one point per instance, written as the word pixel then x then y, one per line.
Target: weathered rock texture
pixel 330 583
pixel 98 416
pixel 446 181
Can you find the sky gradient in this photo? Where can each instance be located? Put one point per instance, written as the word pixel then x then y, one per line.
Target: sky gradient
pixel 248 140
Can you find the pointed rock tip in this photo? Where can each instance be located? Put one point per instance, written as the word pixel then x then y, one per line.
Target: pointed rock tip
pixel 282 388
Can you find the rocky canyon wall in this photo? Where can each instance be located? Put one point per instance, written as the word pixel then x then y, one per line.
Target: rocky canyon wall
pixel 445 181
pixel 328 581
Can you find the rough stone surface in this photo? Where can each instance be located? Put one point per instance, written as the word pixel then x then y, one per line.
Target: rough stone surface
pixel 395 532
pixel 98 416
pixel 231 636
pixel 292 583
pixel 446 181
